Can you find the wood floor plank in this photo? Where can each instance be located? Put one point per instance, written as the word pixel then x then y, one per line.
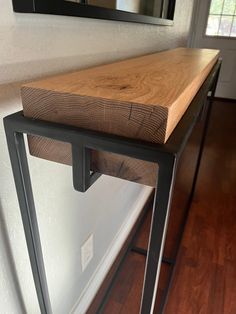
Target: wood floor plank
pixel 210 235
pixel 205 274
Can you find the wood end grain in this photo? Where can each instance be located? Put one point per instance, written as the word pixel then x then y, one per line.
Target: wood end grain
pixel 141 98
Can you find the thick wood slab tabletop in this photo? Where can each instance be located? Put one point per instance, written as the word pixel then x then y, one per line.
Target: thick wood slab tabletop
pixel 143 98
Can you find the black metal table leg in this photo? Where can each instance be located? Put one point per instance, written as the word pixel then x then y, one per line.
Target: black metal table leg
pixel 21 174
pixel 82 178
pixel 162 200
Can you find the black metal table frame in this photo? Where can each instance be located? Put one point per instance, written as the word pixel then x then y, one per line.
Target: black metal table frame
pixel 82 142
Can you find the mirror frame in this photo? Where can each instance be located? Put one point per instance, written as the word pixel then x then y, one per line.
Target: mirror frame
pixel 61 7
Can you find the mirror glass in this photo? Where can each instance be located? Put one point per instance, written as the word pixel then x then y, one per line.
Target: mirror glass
pixel 159 12
pixel 154 8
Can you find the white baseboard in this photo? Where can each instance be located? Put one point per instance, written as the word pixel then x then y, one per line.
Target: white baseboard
pixel 82 304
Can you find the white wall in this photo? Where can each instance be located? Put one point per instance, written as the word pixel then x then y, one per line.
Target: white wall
pixel 32 46
pixel 128 5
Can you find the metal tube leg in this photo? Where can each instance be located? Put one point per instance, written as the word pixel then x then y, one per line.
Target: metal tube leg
pixel 16 147
pixel 81 167
pixel 82 179
pixel 159 222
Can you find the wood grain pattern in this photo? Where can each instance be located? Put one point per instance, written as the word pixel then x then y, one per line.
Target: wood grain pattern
pixel 119 166
pixel 142 98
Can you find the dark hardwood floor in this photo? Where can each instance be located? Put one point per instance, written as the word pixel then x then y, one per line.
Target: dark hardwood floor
pixel 204 280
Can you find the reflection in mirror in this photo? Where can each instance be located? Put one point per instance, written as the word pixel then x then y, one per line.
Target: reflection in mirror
pixel 155 8
pixel 158 12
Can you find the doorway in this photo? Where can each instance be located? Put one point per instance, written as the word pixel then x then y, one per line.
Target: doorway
pixel 214 26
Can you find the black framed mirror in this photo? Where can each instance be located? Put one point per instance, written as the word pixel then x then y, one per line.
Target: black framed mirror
pixel 160 12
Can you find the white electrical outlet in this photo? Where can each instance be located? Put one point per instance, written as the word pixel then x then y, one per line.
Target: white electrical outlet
pixel 87 252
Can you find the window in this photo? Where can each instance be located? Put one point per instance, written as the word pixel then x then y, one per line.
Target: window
pixel 222 18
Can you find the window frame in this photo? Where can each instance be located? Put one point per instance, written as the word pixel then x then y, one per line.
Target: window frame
pixel 206 23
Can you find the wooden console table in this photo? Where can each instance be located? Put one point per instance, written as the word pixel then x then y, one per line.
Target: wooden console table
pixel 130 119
